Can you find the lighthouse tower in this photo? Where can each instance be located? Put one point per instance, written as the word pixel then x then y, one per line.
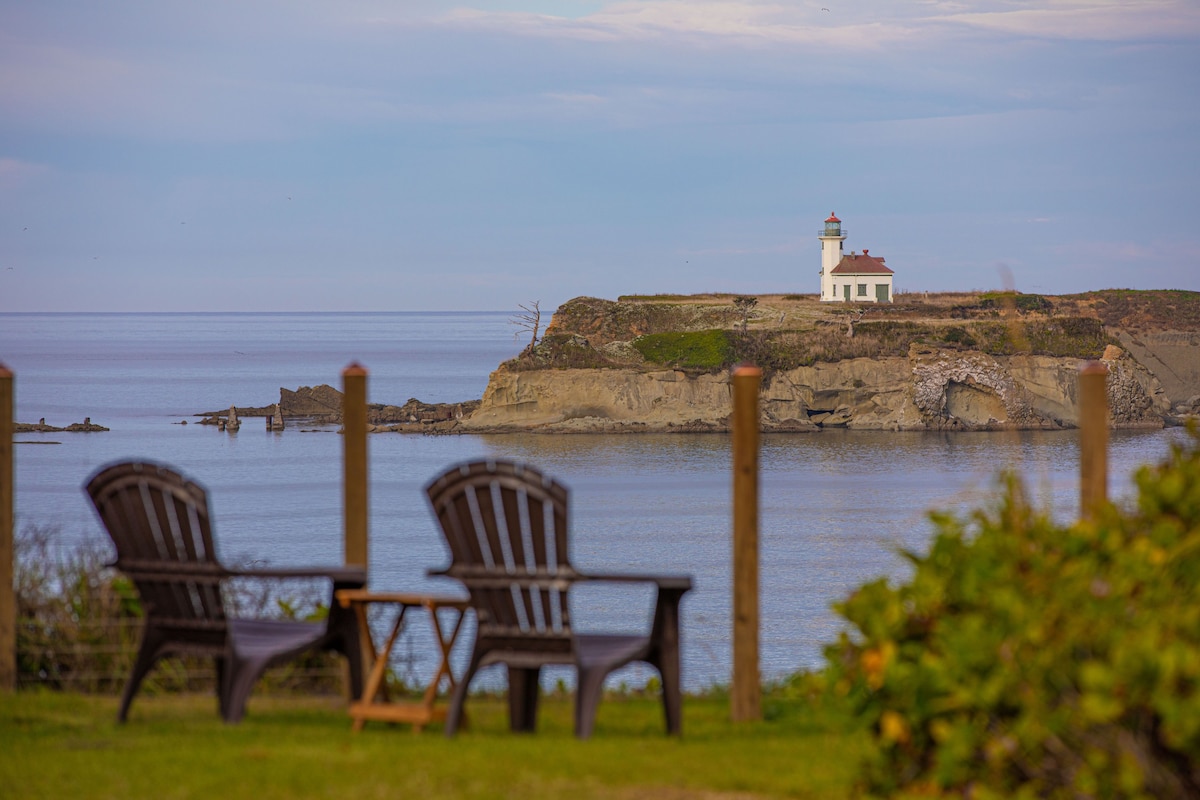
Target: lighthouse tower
pixel 831 254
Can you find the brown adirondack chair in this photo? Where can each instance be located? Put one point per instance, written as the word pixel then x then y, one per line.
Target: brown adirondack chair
pixel 160 524
pixel 506 526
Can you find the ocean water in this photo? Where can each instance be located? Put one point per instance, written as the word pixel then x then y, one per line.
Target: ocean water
pixel 836 507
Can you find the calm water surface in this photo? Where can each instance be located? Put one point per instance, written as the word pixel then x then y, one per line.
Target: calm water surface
pixel 837 506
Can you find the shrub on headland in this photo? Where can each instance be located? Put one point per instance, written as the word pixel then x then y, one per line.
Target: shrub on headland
pixel 1026 658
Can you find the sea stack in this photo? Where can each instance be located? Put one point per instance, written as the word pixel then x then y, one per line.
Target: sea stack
pixel 275 420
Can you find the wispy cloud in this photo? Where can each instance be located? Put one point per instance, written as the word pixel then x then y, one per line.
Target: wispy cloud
pixel 15 173
pixel 695 23
pixel 862 25
pixel 1099 20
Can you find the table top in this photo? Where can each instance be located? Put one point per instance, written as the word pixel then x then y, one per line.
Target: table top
pixel 347 597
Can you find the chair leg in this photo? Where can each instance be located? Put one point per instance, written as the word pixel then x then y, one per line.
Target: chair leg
pixel 523 698
pixel 222 687
pixel 587 699
pixel 238 681
pixel 344 638
pixel 149 652
pixel 672 695
pixel 454 713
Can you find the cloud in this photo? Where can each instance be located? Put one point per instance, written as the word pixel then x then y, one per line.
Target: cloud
pixel 15 173
pixel 1100 20
pixel 871 25
pixel 693 23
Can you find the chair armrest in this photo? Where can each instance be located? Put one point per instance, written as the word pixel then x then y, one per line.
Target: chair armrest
pixel 674 583
pixel 341 575
pixel 664 630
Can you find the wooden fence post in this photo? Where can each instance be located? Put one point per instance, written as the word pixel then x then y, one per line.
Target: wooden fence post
pixel 1093 437
pixel 8 599
pixel 746 694
pixel 354 450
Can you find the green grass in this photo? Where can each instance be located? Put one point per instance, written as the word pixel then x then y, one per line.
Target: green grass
pixel 702 350
pixel 58 745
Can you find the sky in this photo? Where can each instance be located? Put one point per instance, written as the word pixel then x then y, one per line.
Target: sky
pixel 412 155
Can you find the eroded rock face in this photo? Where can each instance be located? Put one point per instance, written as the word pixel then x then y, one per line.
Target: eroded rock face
pixel 311 401
pixel 598 399
pixel 928 390
pixel 1171 355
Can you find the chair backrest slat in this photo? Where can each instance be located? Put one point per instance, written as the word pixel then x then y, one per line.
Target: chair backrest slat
pixel 506 527
pixel 160 525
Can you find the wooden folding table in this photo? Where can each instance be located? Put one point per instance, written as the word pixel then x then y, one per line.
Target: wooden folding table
pixel 374 703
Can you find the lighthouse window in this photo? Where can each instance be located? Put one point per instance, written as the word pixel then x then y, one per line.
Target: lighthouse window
pixel 862 290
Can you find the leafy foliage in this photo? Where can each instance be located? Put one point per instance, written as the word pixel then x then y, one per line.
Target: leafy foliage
pixel 1026 658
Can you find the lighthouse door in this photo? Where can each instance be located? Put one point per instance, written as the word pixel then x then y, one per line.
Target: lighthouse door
pixel 846 293
pixel 881 293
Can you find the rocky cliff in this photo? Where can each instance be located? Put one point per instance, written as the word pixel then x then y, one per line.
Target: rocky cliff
pixel 957 362
pixel 930 389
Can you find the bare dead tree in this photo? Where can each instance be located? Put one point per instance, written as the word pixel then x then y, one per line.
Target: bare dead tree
pixel 528 320
pixel 852 320
pixel 744 305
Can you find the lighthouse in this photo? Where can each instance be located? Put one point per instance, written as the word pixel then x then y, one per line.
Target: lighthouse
pixel 851 278
pixel 831 254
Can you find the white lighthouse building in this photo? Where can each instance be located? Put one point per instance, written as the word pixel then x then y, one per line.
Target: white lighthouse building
pixel 850 278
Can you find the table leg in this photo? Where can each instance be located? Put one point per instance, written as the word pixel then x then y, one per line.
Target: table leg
pixel 375 682
pixel 446 645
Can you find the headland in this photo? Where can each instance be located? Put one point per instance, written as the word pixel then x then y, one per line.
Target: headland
pixel 961 361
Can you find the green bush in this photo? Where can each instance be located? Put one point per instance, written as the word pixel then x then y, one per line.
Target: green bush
pixel 560 351
pixel 1071 337
pixel 1021 302
pixel 1026 658
pixel 956 334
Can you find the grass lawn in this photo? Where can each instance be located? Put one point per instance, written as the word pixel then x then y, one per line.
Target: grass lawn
pixel 59 745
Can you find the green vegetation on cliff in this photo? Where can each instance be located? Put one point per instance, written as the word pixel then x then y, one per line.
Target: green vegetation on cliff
pixel 702 350
pixel 713 350
pixel 709 332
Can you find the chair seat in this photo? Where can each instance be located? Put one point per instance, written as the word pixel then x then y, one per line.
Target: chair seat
pixel 258 638
pixel 601 649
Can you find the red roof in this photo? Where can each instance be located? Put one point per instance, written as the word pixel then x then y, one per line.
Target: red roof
pixel 832 217
pixel 864 264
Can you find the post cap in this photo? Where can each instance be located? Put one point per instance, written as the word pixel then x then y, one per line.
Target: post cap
pixel 747 370
pixel 1093 368
pixel 354 369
